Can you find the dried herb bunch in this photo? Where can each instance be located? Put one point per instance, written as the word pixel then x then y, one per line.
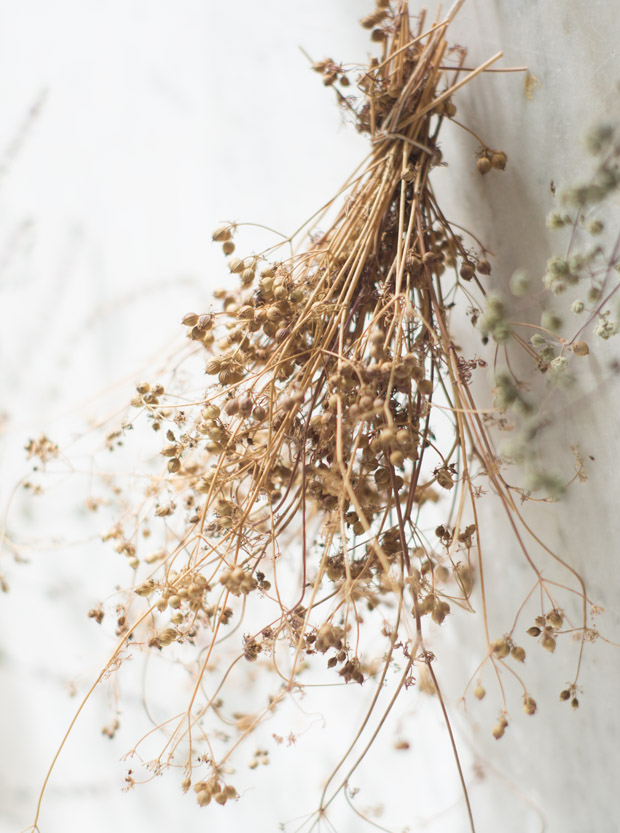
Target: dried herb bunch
pixel 313 513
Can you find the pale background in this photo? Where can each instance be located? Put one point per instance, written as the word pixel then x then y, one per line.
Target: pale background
pixel 159 121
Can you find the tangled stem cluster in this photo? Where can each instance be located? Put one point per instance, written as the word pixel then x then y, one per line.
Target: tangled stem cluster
pixel 314 446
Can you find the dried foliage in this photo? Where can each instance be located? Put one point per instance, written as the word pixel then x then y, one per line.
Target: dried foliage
pixel 318 499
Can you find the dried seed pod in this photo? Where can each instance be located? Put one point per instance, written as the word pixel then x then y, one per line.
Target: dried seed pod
pixel 403 437
pixel 501 648
pixel 204 322
pixel 479 692
pixel 498 160
pixel 246 312
pixel 518 653
pixel 440 611
pixel 387 436
pixel 548 642
pixel 235 264
pixel 498 731
pixel 580 348
pixel 529 705
pixel 555 619
pixel 189 319
pixel 483 165
pixel 203 797
pixel 397 458
pixel 467 271
pixel 221 234
pixel 213 367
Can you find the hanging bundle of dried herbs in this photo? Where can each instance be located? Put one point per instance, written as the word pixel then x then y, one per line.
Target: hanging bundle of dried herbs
pixel 319 494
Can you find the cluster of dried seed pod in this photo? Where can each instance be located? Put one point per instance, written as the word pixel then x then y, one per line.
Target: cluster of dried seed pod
pixel 488 160
pixel 321 373
pixel 312 442
pixel 546 627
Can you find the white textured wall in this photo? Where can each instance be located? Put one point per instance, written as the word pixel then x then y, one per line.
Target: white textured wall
pixel 563 761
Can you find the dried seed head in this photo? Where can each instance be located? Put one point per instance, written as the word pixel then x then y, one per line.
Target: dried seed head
pixel 203 797
pixel 205 322
pixel 228 247
pixel 534 631
pixel 222 234
pixel 498 160
pixel 479 692
pixel 501 648
pixel 498 731
pixel 548 642
pixel 555 618
pixel 483 266
pixel 580 348
pixel 565 695
pixel 246 312
pixel 518 653
pixel 449 108
pixel 189 319
pixel 529 705
pixel 378 404
pixel 440 611
pixel 467 271
pixel 213 367
pixel 235 264
pixel 483 165
pixel 371 20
